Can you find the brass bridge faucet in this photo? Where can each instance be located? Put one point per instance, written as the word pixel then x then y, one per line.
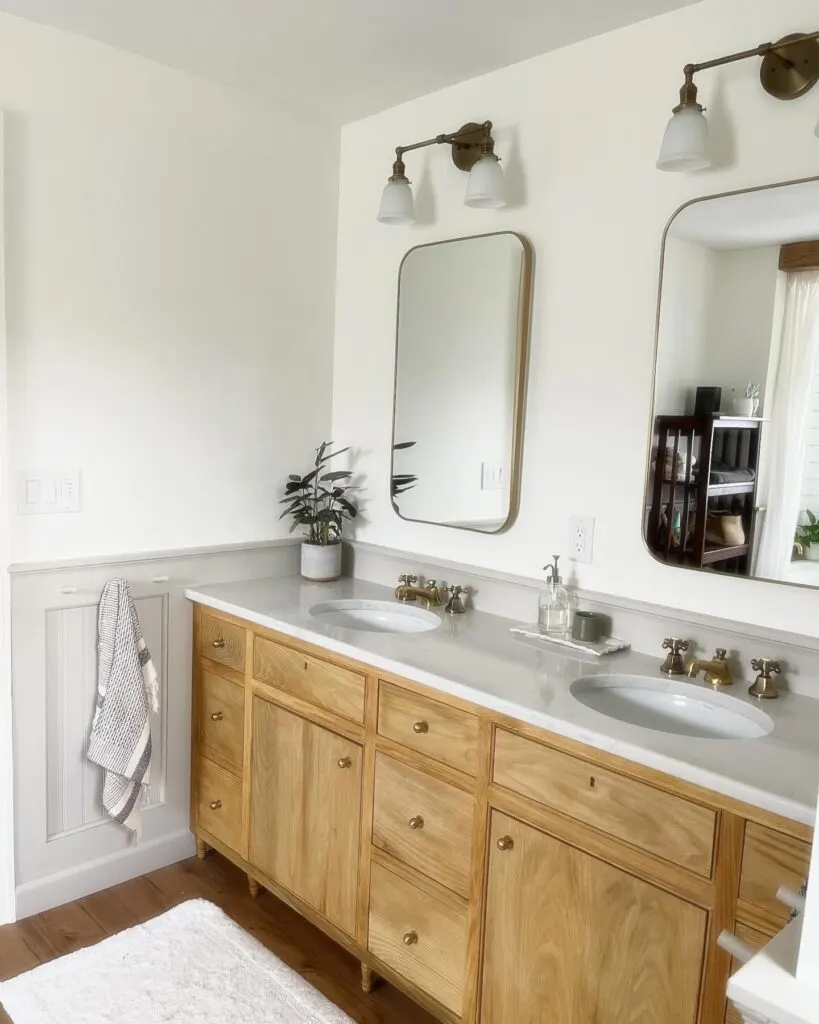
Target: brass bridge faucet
pixel 717 671
pixel 407 591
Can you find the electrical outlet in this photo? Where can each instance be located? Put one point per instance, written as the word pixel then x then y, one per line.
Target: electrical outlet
pixel 581 538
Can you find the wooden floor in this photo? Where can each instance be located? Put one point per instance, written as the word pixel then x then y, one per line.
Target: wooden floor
pixel 324 964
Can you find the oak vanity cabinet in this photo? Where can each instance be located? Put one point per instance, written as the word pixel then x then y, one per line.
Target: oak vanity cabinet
pixel 305 810
pixel 494 871
pixel 571 938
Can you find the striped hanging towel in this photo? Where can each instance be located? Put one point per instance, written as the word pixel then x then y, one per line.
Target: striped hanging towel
pixel 127 693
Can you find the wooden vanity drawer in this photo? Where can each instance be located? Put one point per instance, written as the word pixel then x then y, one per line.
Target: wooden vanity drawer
pixel 220 803
pixel 421 937
pixel 319 682
pixel 424 822
pixel 441 732
pixel 771 859
pixel 222 641
pixel 222 720
pixel 661 824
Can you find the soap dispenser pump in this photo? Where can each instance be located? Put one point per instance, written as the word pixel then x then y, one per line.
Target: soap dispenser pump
pixel 554 604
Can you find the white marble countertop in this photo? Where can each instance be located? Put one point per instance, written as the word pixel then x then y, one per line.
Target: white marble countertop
pixel 474 656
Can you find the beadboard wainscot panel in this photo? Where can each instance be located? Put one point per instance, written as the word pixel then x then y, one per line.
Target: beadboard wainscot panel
pixel 65 847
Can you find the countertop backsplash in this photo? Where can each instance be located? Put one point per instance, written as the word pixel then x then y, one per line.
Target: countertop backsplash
pixel 644 626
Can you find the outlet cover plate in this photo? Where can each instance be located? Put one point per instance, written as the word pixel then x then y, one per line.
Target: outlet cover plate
pixel 581 538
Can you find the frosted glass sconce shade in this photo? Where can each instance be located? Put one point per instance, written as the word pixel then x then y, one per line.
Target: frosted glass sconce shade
pixel 485 188
pixel 790 68
pixel 473 151
pixel 685 143
pixel 397 206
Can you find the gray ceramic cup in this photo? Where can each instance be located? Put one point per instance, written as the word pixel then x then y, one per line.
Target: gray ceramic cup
pixel 587 627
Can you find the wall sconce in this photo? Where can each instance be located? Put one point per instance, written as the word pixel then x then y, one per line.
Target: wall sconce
pixel 790 68
pixel 473 150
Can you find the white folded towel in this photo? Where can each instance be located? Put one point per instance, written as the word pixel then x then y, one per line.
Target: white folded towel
pixel 127 693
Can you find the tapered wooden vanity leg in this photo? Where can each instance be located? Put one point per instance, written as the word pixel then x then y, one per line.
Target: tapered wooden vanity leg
pixel 201 849
pixel 253 885
pixel 368 978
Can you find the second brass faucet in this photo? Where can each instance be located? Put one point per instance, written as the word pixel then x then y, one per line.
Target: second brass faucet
pixel 717 671
pixel 407 591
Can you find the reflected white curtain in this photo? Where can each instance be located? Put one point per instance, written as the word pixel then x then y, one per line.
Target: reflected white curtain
pixel 785 436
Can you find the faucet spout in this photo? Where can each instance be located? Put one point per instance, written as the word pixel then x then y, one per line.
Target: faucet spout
pixel 716 671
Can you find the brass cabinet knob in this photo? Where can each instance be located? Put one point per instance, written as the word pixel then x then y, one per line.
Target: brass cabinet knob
pixel 421 727
pixel 217 716
pixel 416 822
pixel 215 805
pixel 410 938
pixel 344 762
pixel 506 843
pixel 218 642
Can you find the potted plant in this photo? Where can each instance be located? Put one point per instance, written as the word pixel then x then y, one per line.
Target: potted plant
pixel 749 403
pixel 808 536
pixel 319 503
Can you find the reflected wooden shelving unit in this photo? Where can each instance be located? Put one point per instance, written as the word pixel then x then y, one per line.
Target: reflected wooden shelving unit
pixel 676 530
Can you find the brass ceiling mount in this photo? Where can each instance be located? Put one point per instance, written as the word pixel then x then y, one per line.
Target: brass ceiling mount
pixel 469 145
pixel 791 68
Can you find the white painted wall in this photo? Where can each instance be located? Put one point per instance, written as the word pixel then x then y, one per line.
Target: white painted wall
pixel 716 320
pixel 584 188
pixel 740 320
pixel 688 273
pixel 170 260
pixel 169 256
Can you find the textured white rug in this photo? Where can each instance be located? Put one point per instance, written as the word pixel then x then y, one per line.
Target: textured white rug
pixel 191 965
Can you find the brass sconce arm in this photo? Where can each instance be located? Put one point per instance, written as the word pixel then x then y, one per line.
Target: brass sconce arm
pixel 469 143
pixel 439 140
pixel 790 67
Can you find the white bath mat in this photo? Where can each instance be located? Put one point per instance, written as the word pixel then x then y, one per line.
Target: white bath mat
pixel 192 965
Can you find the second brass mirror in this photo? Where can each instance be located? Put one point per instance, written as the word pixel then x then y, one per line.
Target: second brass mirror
pixel 463 326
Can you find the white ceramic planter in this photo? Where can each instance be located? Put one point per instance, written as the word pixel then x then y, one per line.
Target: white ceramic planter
pixel 321 562
pixel 811 552
pixel 744 406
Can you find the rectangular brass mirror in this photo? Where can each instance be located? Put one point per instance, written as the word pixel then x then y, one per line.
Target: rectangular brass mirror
pixel 460 367
pixel 733 473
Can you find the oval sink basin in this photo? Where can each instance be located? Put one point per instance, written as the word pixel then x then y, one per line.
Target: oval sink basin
pixel 375 616
pixel 667 705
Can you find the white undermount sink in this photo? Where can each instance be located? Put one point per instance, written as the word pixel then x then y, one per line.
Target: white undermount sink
pixel 669 705
pixel 375 616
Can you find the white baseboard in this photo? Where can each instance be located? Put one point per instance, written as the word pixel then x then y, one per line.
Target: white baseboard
pixel 65 886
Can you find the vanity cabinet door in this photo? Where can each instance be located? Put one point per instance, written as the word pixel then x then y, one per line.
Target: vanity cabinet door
pixel 305 814
pixel 570 938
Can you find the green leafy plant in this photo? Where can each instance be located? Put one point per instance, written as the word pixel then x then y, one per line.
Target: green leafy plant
pixel 318 502
pixel 808 533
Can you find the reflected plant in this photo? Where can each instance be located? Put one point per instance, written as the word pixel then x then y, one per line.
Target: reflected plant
pixel 403 482
pixel 808 533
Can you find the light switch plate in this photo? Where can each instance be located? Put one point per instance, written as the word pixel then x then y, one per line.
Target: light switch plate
pixel 43 492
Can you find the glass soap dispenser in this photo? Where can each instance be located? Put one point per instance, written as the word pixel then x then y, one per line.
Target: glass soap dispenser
pixel 554 604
